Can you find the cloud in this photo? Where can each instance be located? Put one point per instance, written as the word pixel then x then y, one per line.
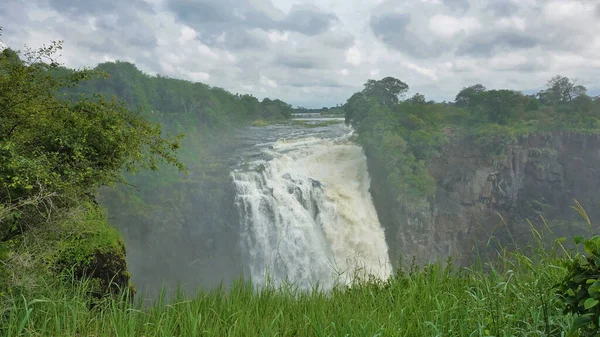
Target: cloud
pixel 486 44
pixel 393 29
pixel 236 41
pixel 75 8
pixel 460 5
pixel 502 8
pixel 218 16
pixel 300 61
pixel 320 54
pixel 448 26
pixel 307 21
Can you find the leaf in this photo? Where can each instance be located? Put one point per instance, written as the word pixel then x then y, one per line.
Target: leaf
pixel 581 277
pixel 580 322
pixel 592 246
pixel 590 303
pixel 578 239
pixel 594 289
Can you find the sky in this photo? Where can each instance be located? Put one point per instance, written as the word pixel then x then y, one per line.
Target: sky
pixel 315 53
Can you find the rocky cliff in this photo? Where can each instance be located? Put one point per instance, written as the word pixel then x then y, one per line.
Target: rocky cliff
pixel 483 203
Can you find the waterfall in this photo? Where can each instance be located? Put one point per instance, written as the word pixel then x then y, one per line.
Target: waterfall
pixel 307 215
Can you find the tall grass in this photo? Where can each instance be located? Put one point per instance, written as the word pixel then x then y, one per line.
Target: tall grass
pixel 514 299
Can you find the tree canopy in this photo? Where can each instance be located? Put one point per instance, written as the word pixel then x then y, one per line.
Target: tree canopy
pixel 401 137
pixel 561 90
pixel 64 149
pixel 385 92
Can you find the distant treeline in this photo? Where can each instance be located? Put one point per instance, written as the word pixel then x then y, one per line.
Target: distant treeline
pixel 213 107
pixel 335 110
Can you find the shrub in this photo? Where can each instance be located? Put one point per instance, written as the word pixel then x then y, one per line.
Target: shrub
pixel 580 289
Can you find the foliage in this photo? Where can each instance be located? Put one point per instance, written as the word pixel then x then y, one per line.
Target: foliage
pixel 386 91
pixel 324 111
pixel 67 149
pixel 580 288
pixel 494 119
pixel 157 96
pixel 54 155
pixel 561 90
pixel 468 97
pixel 399 138
pixel 493 139
pixel 81 246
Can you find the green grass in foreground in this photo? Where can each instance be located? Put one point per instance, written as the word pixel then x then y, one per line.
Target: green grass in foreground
pixel 515 299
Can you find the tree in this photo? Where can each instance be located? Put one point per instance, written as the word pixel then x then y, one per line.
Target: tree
pixel 582 103
pixel 533 104
pixel 356 108
pixel 67 149
pixel 560 90
pixel 386 91
pixel 502 105
pixel 417 99
pixel 469 96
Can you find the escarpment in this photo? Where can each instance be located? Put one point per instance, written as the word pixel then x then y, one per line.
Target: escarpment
pixel 482 203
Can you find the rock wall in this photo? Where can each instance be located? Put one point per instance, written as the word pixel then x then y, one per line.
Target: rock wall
pixel 482 204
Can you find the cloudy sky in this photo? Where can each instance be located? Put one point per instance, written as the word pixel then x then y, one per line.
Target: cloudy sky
pixel 318 52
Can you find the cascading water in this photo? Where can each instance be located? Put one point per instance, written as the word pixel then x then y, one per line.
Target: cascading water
pixel 307 214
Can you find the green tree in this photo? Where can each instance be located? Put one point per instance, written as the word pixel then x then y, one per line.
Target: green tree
pixel 469 96
pixel 501 106
pixel 386 91
pixel 417 99
pixel 561 90
pixel 62 149
pixel 356 108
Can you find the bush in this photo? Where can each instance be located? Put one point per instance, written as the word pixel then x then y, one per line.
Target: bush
pixel 580 288
pixel 493 139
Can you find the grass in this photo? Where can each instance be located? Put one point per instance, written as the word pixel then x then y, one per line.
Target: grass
pixel 512 300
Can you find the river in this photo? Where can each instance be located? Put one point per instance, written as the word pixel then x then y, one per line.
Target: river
pixel 305 208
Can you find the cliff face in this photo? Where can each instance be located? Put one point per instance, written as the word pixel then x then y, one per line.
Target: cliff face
pixel 539 175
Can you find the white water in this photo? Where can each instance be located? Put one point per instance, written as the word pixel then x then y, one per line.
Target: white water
pixel 307 214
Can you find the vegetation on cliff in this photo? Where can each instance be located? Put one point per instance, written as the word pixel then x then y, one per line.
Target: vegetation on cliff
pixel 401 136
pixel 54 155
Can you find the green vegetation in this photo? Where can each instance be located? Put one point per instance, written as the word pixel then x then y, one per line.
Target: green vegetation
pixel 401 137
pixel 580 288
pixel 54 155
pixel 334 111
pixel 512 300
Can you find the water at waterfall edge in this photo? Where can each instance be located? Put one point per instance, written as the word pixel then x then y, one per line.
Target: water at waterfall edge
pixel 305 209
